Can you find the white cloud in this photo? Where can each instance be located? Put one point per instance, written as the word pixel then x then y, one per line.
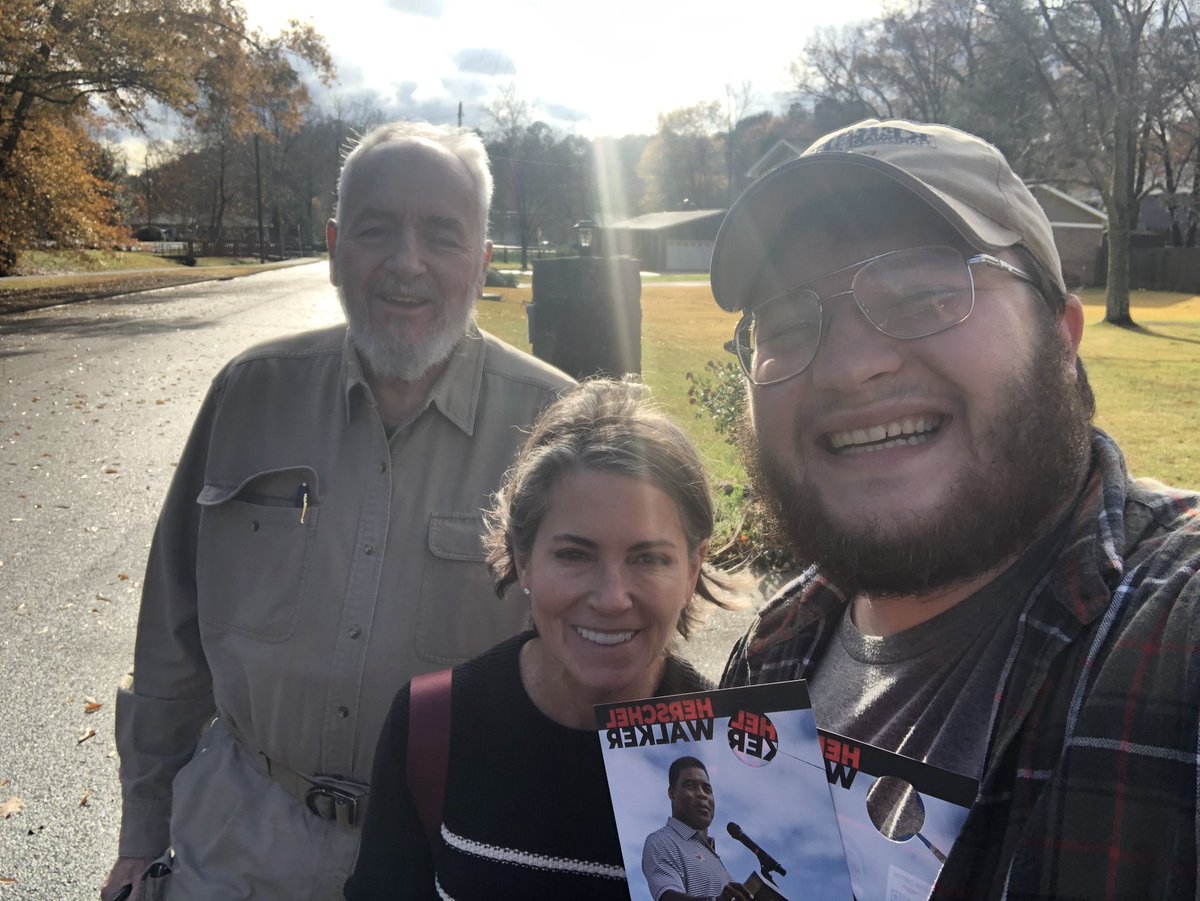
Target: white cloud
pixel 611 67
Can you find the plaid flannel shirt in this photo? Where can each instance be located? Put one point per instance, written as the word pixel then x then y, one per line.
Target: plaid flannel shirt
pixel 1091 786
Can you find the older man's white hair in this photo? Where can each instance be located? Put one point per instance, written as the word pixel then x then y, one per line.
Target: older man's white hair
pixel 466 145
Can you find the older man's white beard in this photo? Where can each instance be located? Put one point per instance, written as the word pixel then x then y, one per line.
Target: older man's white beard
pixel 405 357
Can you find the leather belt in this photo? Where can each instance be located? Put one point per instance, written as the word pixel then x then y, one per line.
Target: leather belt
pixel 329 798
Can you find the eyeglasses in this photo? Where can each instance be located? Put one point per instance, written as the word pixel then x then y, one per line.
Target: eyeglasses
pixel 912 293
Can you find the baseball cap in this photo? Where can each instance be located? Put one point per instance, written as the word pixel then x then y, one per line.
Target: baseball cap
pixel 962 177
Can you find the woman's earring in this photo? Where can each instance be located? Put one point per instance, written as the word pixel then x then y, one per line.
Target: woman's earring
pixel 526 590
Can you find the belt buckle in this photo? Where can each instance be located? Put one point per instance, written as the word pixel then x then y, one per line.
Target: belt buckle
pixel 329 802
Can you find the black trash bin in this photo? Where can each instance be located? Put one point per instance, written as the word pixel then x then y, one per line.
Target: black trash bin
pixel 586 315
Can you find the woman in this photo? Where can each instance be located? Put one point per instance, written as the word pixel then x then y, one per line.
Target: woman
pixel 603 523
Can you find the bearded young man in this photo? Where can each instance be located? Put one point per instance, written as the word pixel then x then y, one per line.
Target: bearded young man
pixel 989 591
pixel 320 544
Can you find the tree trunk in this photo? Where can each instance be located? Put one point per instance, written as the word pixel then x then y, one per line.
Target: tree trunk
pixel 9 251
pixel 523 228
pixel 216 225
pixel 22 83
pixel 1120 216
pixel 1194 215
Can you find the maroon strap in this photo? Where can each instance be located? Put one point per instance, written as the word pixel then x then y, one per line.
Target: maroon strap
pixel 429 748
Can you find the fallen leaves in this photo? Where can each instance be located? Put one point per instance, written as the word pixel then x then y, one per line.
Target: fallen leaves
pixel 87 793
pixel 91 705
pixel 10 808
pixel 7 880
pixel 85 734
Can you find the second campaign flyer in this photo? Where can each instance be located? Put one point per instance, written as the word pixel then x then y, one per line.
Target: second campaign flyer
pixel 765 799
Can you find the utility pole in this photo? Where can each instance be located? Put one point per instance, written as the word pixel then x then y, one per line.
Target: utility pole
pixel 460 114
pixel 262 257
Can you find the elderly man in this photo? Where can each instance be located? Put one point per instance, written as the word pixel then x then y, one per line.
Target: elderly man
pixel 680 860
pixel 320 544
pixel 989 591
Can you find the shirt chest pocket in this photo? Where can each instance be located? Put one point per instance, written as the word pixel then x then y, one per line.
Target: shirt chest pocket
pixel 460 615
pixel 254 550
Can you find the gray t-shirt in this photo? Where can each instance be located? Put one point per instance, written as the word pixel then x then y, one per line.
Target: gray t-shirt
pixel 929 692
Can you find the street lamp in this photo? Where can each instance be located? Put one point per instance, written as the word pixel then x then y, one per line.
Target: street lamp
pixel 585 232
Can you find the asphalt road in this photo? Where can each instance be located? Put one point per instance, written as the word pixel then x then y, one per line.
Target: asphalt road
pixel 97 400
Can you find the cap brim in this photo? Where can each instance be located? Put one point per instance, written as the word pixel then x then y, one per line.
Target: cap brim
pixel 754 222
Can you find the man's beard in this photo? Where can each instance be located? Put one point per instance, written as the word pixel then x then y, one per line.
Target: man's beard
pixel 394 355
pixel 1038 442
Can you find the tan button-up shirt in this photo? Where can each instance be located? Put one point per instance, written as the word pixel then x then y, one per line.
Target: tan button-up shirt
pixel 306 565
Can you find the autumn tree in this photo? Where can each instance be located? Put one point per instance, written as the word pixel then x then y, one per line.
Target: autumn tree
pixel 1083 93
pixel 54 189
pixel 738 101
pixel 172 188
pixel 683 165
pixel 251 102
pixel 946 62
pixel 62 60
pixel 541 179
pixel 572 192
pixel 1105 70
pixel 325 139
pixel 55 57
pixel 1170 157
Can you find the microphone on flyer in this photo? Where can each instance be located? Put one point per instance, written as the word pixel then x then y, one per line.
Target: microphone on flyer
pixel 765 861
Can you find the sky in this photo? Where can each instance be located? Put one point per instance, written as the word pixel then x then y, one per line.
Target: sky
pixel 589 68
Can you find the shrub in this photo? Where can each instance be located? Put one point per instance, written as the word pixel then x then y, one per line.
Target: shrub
pixel 498 278
pixel 721 395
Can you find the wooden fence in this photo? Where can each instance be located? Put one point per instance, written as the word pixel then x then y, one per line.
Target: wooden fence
pixel 227 248
pixel 1166 269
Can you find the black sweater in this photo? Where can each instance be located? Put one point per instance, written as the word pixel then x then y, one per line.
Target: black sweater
pixel 527 812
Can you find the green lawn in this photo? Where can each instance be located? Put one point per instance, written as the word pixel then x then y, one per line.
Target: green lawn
pixel 54 262
pixel 1145 381
pixel 72 262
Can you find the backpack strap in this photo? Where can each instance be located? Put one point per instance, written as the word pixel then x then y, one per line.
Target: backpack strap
pixel 429 748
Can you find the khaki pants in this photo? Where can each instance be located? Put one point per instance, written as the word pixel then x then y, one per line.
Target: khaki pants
pixel 236 833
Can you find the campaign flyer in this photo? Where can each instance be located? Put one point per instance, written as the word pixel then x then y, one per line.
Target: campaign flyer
pixel 898 817
pixel 770 790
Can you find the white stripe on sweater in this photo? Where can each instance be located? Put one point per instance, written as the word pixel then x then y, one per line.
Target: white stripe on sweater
pixel 528 859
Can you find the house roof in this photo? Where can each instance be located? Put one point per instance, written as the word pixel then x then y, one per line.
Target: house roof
pixel 1090 210
pixel 657 221
pixel 781 151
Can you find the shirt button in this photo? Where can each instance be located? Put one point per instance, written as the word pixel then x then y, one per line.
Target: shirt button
pixel 343 712
pixel 383 467
pixel 355 631
pixel 368 549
